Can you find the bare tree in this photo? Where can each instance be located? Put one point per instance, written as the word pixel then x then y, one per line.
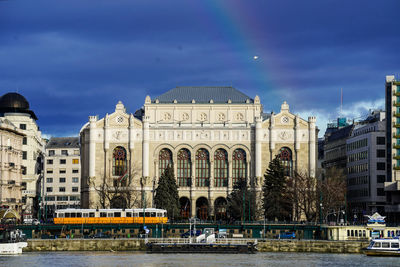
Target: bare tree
pixel 119 191
pixel 304 196
pixel 332 191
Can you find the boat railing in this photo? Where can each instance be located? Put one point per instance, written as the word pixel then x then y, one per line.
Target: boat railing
pixel 187 240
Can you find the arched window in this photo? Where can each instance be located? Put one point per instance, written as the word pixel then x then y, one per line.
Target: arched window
pixel 285 157
pixel 165 160
pixel 239 165
pixel 119 161
pixel 202 168
pixel 220 168
pixel 184 168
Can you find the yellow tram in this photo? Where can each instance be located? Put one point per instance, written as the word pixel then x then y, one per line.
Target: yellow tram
pixel 109 216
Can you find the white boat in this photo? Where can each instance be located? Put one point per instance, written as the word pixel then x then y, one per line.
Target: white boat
pixel 383 247
pixel 12 242
pixel 12 248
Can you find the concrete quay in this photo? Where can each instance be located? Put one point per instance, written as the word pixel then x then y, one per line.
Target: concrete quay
pixel 134 244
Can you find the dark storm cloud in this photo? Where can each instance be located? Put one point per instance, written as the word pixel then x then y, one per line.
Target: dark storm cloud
pixel 72 59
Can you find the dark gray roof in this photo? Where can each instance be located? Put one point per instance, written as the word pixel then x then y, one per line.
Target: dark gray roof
pixel 203 95
pixel 341 133
pixel 63 142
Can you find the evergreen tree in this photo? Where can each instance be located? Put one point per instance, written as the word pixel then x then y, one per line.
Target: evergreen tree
pixel 276 196
pixel 166 194
pixel 241 194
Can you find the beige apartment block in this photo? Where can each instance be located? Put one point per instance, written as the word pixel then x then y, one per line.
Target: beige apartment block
pixel 15 108
pixel 10 166
pixel 62 175
pixel 211 136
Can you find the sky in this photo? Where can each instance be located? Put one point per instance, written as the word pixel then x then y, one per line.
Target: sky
pixel 76 58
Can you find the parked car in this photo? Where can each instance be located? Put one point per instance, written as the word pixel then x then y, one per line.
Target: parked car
pixel 188 233
pixel 286 235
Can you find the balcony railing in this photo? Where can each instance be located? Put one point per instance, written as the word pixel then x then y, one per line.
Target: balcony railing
pixel 396 157
pixel 396 93
pixel 396 104
pixel 396 125
pixel 396 146
pixel 396 135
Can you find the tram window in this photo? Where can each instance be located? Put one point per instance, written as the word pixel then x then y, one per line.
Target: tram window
pixel 110 214
pixel 147 214
pixel 128 214
pixel 60 215
pixel 67 215
pixel 348 232
pixel 136 214
pixel 152 214
pixel 117 214
pixel 103 214
pixel 355 233
pixel 159 214
pixel 377 245
pixel 78 215
pixel 73 215
pixel 385 244
pixel 364 233
pixel 91 214
pixel 395 245
pixel 140 214
pixel 85 215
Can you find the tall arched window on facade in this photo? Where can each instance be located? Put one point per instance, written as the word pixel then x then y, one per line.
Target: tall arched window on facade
pixel 184 168
pixel 220 168
pixel 119 161
pixel 202 168
pixel 285 157
pixel 165 160
pixel 239 165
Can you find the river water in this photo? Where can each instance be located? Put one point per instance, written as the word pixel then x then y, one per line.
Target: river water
pixel 100 259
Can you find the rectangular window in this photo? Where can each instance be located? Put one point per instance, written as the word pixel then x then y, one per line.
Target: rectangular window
pixel 380 166
pixel 76 152
pixel 23 170
pixel 75 161
pixel 63 170
pixel 22 126
pixel 51 152
pixel 380 178
pixel 49 189
pixel 62 179
pixel 75 179
pixel 62 198
pixel 24 155
pixel 75 189
pixel 61 189
pixel 75 171
pixel 380 153
pixel 49 180
pixel 63 161
pixel 380 140
pixel 24 141
pixel 380 192
pixel 74 198
pixel 64 152
pixel 50 161
pixel 49 171
pixel 50 198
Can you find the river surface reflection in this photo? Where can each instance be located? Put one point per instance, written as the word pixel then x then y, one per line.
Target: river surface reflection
pixel 99 259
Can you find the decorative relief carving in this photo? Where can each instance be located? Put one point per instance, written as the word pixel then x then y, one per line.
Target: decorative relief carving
pixel 284 120
pixel 185 116
pixel 203 116
pixel 221 117
pixel 119 119
pixel 167 116
pixel 117 135
pixel 284 135
pixel 239 116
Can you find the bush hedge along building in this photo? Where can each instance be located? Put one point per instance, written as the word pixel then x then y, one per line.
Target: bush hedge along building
pixel 211 136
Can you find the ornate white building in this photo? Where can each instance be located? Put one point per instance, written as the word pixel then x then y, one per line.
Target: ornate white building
pixel 15 108
pixel 212 136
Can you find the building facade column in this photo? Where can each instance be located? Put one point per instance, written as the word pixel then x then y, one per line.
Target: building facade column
pixel 92 145
pixel 145 153
pixel 312 145
pixel 258 147
pixel 297 142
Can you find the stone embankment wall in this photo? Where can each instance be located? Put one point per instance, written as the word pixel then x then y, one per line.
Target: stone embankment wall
pixel 318 246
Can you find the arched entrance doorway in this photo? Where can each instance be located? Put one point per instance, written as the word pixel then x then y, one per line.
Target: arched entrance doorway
pixel 202 208
pixel 220 208
pixel 185 207
pixel 118 202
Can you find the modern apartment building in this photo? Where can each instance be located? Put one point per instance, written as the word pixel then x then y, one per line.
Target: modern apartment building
pixel 10 166
pixel 15 108
pixel 392 184
pixel 62 171
pixel 366 167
